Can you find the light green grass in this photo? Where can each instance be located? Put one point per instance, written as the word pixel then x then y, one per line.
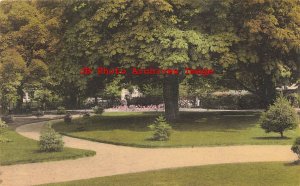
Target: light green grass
pixel 24 150
pixel 245 174
pixel 194 129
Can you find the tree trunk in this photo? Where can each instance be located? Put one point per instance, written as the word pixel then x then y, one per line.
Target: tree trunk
pixel 71 101
pixel 170 94
pixel 281 134
pixel 268 93
pixel 20 98
pixel 96 100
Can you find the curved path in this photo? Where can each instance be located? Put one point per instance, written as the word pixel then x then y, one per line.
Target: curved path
pixel 112 159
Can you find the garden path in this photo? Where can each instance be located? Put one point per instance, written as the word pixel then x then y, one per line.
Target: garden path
pixel 113 160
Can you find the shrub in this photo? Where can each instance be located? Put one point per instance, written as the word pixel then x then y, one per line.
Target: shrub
pixel 162 130
pixel 61 110
pixel 38 113
pixel 279 117
pixel 229 101
pixel 145 101
pixel 249 101
pixel 86 115
pixel 68 118
pixel 296 147
pixel 4 139
pixel 294 98
pixel 3 129
pixel 98 110
pixel 3 125
pixel 50 141
pixel 7 119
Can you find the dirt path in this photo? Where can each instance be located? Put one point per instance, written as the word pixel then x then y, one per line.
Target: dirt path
pixel 112 160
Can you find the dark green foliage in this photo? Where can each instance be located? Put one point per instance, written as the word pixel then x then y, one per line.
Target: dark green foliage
pixel 144 101
pixel 86 115
pixel 7 118
pixel 38 113
pixel 50 141
pixel 162 130
pixel 61 110
pixel 296 147
pixel 247 101
pixel 3 129
pixel 3 125
pixel 266 54
pixel 98 109
pixel 294 98
pixel 68 118
pixel 280 117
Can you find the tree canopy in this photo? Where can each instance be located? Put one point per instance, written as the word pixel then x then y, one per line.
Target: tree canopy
pixel 251 44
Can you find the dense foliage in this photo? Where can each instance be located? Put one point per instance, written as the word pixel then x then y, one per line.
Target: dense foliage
pixel 61 110
pixel 296 147
pixel 68 118
pixel 3 129
pixel 50 141
pixel 279 117
pixel 161 129
pixel 227 101
pixel 252 45
pixel 98 110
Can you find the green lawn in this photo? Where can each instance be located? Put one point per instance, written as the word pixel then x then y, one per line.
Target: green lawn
pixel 24 150
pixel 252 174
pixel 194 129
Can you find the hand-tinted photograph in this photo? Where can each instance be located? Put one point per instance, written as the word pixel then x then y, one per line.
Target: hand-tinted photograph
pixel 150 92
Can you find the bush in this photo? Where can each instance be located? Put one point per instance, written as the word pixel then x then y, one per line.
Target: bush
pixel 61 110
pixel 7 119
pixel 98 110
pixel 3 125
pixel 50 141
pixel 3 129
pixel 145 101
pixel 280 117
pixel 38 113
pixel 86 115
pixel 296 147
pixel 68 118
pixel 228 101
pixel 162 130
pixel 294 98
pixel 249 101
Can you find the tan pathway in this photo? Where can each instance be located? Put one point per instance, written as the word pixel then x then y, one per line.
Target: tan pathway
pixel 112 159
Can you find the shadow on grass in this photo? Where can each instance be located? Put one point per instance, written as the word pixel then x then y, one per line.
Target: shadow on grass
pixel 272 138
pixel 189 121
pixel 294 163
pixel 38 151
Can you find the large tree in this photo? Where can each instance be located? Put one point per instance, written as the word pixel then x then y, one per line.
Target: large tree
pixel 142 34
pixel 26 31
pixel 12 69
pixel 267 54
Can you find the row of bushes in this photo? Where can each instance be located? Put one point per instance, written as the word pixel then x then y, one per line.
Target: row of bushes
pixel 294 98
pixel 145 101
pixel 246 101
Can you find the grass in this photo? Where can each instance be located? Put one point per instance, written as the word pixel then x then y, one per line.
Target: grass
pixel 194 129
pixel 24 150
pixel 244 174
